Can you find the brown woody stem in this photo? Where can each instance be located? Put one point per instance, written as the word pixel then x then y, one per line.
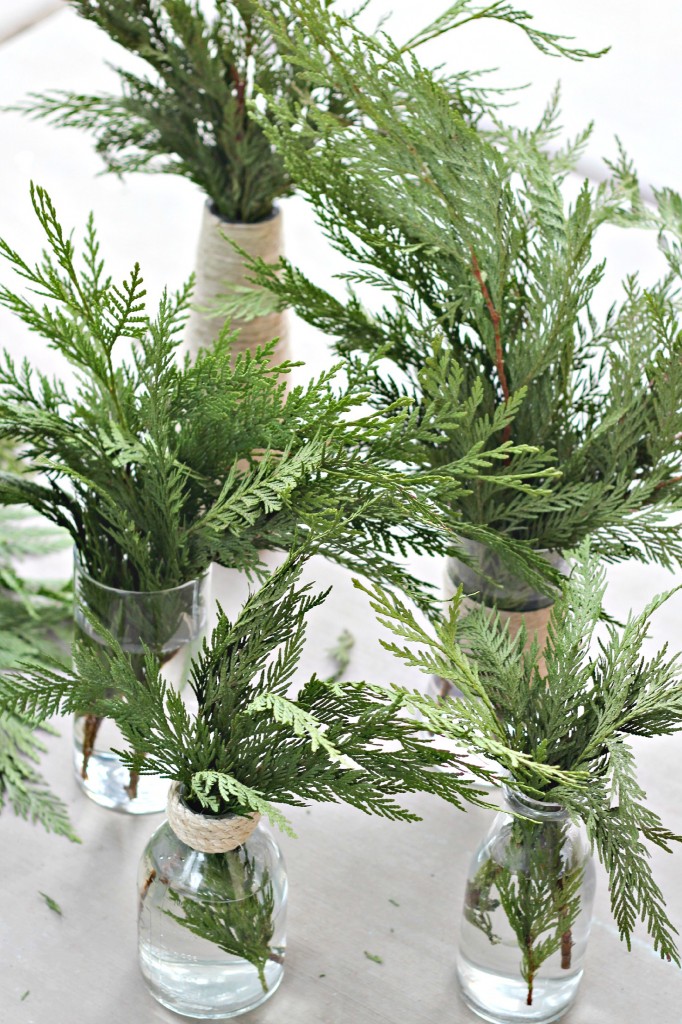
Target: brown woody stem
pixel 91 727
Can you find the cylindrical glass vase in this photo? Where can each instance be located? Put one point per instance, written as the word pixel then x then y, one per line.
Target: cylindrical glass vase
pixel 489 582
pixel 527 915
pixel 212 921
pixel 170 623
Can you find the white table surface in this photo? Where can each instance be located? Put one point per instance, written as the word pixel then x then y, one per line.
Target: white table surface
pixel 344 868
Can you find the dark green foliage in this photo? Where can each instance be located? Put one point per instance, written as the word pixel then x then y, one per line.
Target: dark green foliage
pixel 531 876
pixel 576 715
pixel 250 745
pixel 157 468
pixel 192 116
pixel 187 112
pixel 489 271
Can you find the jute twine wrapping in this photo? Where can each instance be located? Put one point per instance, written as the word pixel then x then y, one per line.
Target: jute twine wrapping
pixel 218 266
pixel 207 835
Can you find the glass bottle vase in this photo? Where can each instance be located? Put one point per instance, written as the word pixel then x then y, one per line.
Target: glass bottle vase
pixel 527 915
pixel 489 582
pixel 212 925
pixel 170 623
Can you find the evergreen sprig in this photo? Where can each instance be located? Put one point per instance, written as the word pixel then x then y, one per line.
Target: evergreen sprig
pixel 240 919
pixel 575 714
pixel 488 267
pixel 187 113
pixel 251 743
pixel 158 467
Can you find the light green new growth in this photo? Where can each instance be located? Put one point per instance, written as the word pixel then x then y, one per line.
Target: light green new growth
pixel 490 279
pixel 575 715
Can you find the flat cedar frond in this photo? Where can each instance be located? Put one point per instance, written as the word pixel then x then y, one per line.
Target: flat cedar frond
pixel 573 716
pixel 464 12
pixel 188 114
pixel 158 468
pixel 482 274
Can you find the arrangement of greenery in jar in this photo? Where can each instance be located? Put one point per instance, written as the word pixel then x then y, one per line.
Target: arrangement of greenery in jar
pixel 527 907
pixel 190 114
pixel 212 881
pixel 158 468
pixel 490 277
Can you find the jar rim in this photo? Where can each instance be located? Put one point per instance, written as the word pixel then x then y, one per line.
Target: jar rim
pixel 80 571
pixel 536 808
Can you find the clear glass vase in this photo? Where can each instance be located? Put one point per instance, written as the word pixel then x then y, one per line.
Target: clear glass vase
pixel 171 623
pixel 488 581
pixel 527 915
pixel 212 926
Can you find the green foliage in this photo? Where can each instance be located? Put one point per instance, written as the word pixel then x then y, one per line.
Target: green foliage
pixel 158 468
pixel 534 877
pixel 464 12
pixel 187 111
pixel 52 904
pixel 490 278
pixel 190 113
pixel 34 623
pixel 35 617
pixel 575 715
pixel 251 743
pixel 341 653
pixel 21 785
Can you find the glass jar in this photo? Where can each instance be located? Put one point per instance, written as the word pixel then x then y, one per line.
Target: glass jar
pixel 212 925
pixel 527 915
pixel 170 623
pixel 488 581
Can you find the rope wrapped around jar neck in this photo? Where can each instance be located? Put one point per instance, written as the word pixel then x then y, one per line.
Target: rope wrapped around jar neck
pixel 206 834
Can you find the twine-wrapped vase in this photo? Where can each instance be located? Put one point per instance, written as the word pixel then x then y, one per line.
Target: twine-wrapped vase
pixel 219 268
pixel 212 913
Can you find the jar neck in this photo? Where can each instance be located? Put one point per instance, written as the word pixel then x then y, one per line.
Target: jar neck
pixel 536 810
pixel 204 833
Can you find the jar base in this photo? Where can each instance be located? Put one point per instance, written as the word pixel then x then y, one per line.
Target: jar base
pixel 208 1008
pixel 501 999
pixel 107 780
